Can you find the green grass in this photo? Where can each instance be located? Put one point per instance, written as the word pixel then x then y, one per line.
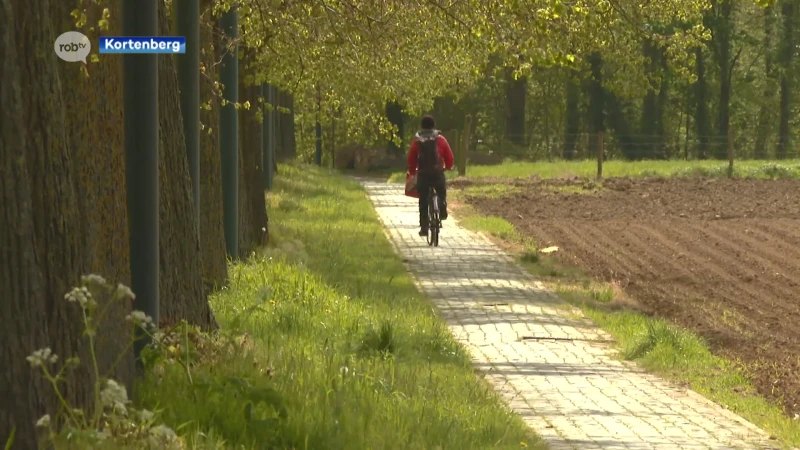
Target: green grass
pixel 588 168
pixel 495 226
pixel 491 190
pixel 342 351
pixel 654 344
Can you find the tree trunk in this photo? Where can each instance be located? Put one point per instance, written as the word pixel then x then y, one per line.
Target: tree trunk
pixel 212 235
pixel 701 119
pixel 181 285
pixel 687 127
pixel 596 103
pixel 765 117
pixel 652 128
pixel 787 78
pixel 286 146
pixel 647 125
pixel 23 307
pixel 572 122
pixel 662 151
pixel 288 127
pixel 723 121
pixel 63 192
pixel 252 214
pixel 516 93
pixel 722 36
pixel 281 144
pixel 619 122
pixel 547 94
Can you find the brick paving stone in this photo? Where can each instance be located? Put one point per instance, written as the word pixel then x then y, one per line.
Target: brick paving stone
pixel 550 364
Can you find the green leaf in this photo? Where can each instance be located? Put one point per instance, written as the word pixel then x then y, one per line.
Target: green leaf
pixel 10 440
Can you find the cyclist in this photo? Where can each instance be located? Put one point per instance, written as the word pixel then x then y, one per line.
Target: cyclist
pixel 429 156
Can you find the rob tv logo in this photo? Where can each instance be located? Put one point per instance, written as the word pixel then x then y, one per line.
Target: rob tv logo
pixel 73 46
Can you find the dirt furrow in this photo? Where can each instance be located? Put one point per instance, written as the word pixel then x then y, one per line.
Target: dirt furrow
pixel 707 294
pixel 701 252
pixel 787 230
pixel 758 236
pixel 765 288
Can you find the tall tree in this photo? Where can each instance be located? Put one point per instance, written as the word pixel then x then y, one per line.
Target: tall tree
pixel 722 25
pixel 516 94
pixel 212 244
pixel 701 116
pixel 789 12
pixel 181 287
pixel 651 127
pixel 765 115
pixel 62 220
pixel 596 101
pixel 252 204
pixel 572 116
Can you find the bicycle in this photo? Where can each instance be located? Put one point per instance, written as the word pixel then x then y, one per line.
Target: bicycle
pixel 434 224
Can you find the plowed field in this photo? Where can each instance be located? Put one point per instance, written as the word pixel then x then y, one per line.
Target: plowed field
pixel 719 257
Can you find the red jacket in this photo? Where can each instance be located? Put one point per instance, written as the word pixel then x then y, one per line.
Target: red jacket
pixel 445 152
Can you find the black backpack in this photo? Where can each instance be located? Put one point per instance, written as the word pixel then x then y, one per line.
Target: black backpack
pixel 429 161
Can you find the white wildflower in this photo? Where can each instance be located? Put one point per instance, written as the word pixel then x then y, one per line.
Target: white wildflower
pixel 125 292
pixel 344 370
pixel 80 295
pixel 140 318
pixel 120 409
pixel 159 338
pixel 42 357
pixel 164 433
pixel 44 421
pixel 113 395
pixel 145 415
pixel 93 280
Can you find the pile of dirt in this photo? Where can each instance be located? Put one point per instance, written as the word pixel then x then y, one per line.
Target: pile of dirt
pixel 720 257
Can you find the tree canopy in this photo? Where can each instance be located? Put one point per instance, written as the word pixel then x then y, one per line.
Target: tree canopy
pixel 352 56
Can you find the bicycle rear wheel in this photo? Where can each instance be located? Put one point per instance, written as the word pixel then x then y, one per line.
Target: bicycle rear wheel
pixel 435 230
pixel 429 236
pixel 433 221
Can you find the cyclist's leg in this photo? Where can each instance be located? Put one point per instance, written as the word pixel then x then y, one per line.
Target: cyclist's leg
pixel 423 188
pixel 441 191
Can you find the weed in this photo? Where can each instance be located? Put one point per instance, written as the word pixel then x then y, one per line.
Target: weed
pixel 111 422
pixel 530 255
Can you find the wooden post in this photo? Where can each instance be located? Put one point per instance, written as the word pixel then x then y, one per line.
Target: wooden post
pixel 600 151
pixel 730 152
pixel 464 147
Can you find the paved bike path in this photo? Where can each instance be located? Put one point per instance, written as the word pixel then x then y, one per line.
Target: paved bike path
pixel 552 367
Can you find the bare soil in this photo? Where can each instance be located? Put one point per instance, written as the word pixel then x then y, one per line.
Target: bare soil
pixel 720 257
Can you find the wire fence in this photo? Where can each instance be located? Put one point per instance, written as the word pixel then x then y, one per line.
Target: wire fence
pixel 633 146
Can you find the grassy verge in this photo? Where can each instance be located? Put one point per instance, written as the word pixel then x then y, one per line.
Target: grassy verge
pixel 339 350
pixel 588 168
pixel 654 344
